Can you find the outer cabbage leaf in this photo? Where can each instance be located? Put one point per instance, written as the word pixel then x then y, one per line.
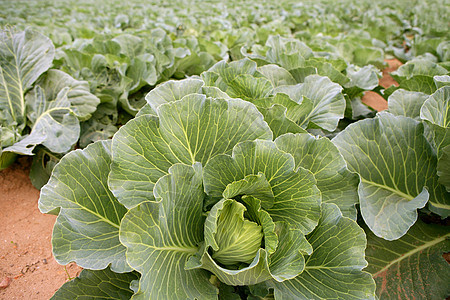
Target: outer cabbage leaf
pixel 248 87
pixel 320 156
pixel 103 284
pixel 441 81
pixel 436 108
pixel 406 103
pixel 193 129
pixel 326 107
pixel 417 75
pixel 289 53
pixel 53 120
pixel 277 75
pixel 82 102
pixel 173 90
pixel 276 118
pixel 412 265
pixel 333 270
pixel 43 164
pixel 240 79
pixel 443 167
pixel 322 67
pixel 24 56
pixel 361 79
pixel 26 145
pixel 160 237
pixel 87 228
pixel 397 169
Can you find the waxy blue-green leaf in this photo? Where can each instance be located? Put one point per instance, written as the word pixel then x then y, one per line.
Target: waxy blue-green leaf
pixel 411 266
pixel 288 261
pixel 26 145
pixel 419 66
pixel 301 73
pixel 417 75
pixel 327 102
pixel 248 87
pixel 276 118
pixel 87 228
pixel 24 56
pixel 443 167
pixel 322 67
pixel 185 131
pixel 296 113
pixel 406 103
pixel 296 197
pixel 160 238
pixel 368 55
pixel 289 53
pixel 333 270
pixel 361 79
pixel 397 168
pixel 82 102
pixel 318 155
pixel 239 79
pixel 101 284
pixel 43 164
pixel 223 73
pixel 54 120
pixel 173 90
pixel 436 108
pixel 441 81
pixel 276 75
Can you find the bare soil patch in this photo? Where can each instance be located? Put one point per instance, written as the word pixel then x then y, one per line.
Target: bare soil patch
pixel 373 99
pixel 25 240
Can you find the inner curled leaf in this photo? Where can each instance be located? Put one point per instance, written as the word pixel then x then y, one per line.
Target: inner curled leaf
pixel 238 239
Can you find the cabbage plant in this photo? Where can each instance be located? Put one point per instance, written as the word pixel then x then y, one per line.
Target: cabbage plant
pixel 38 106
pixel 196 199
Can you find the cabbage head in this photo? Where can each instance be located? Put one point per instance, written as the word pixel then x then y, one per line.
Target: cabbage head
pixel 197 200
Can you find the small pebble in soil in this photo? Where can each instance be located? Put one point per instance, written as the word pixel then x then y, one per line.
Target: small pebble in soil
pixel 5 283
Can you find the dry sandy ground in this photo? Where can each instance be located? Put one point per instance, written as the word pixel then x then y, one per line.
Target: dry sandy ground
pixel 373 99
pixel 25 240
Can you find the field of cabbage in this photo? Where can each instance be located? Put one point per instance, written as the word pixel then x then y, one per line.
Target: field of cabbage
pixel 222 150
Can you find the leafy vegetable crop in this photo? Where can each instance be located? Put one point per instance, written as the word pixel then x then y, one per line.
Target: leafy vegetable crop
pixel 242 153
pixel 203 192
pixel 47 114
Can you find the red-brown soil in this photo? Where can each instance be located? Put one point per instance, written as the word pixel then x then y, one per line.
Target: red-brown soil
pixel 25 240
pixel 373 99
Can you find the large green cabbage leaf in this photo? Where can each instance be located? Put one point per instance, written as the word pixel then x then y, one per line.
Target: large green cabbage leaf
pixel 397 169
pixel 408 265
